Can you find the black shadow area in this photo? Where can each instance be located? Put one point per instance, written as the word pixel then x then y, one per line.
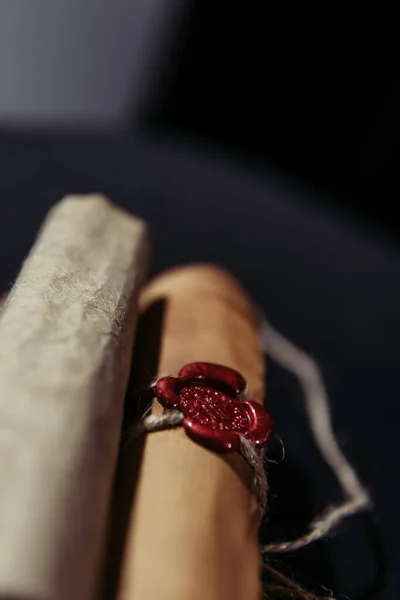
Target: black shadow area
pixel 144 368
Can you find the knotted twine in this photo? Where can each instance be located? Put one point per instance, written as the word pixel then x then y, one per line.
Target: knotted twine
pixel 306 370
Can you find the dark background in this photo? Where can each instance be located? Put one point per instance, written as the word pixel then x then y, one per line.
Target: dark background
pixel 311 93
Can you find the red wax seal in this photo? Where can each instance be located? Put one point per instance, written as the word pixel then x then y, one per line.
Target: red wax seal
pixel 209 397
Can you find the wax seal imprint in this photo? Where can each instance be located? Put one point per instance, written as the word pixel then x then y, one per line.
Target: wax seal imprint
pixel 208 395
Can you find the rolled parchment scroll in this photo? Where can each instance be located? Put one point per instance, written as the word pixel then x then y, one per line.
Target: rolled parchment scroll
pixel 193 523
pixel 66 335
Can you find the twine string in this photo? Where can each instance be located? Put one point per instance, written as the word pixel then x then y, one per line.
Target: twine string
pixel 306 370
pixel 310 378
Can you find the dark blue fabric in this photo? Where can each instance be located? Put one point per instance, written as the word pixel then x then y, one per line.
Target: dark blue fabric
pixel 332 289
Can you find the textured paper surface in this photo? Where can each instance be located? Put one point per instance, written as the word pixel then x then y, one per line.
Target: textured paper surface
pixel 66 335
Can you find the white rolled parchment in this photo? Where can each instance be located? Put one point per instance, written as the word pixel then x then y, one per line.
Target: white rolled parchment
pixel 66 334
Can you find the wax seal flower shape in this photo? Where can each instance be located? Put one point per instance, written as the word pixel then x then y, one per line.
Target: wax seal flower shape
pixel 209 396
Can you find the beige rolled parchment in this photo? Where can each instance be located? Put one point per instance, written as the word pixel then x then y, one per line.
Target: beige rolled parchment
pixel 66 334
pixel 193 522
